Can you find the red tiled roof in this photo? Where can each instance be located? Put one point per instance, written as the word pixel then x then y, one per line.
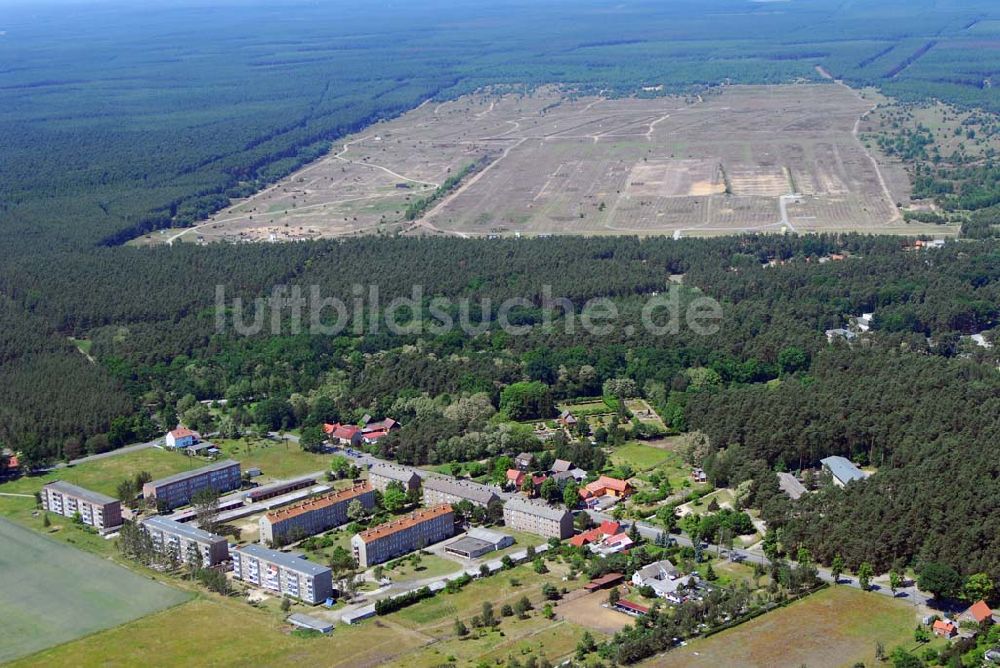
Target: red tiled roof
pixel 607 528
pixel 980 611
pixel 13 462
pixel 632 607
pixel 605 482
pixel 344 431
pixel 181 432
pixel 943 626
pixel 318 502
pixel 375 435
pixel 405 522
pixel 515 476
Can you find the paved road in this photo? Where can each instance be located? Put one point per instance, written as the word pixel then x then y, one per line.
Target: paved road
pixel 158 443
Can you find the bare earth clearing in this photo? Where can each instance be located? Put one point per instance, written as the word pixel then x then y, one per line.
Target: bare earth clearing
pixel 743 158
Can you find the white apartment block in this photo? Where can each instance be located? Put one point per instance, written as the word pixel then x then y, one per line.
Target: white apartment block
pixel 538 518
pixel 185 541
pixel 96 510
pixel 282 573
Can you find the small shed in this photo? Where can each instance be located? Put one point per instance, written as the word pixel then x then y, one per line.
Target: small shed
pixel 310 623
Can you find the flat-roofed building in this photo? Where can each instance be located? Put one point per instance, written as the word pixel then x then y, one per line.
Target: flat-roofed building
pixel 380 475
pixel 538 518
pixel 449 490
pixel 282 573
pixel 477 542
pixel 184 540
pixel 96 510
pixel 404 535
pixel 313 515
pixel 177 490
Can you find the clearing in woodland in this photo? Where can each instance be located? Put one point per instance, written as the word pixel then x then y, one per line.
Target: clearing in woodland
pixel 736 159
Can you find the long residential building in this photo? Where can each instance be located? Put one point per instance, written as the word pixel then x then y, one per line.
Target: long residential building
pixel 404 535
pixel 380 475
pixel 283 573
pixel 313 515
pixel 538 518
pixel 449 490
pixel 177 490
pixel 185 540
pixel 96 510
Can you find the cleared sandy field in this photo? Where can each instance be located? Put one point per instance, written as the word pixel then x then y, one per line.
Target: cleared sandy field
pixel 705 165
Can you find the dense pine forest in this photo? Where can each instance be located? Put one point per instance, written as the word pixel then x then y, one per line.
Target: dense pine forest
pixel 111 128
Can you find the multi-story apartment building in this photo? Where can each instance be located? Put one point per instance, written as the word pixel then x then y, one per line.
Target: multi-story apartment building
pixel 380 475
pixel 283 573
pixel 96 510
pixel 313 515
pixel 184 541
pixel 538 518
pixel 448 490
pixel 177 490
pixel 401 536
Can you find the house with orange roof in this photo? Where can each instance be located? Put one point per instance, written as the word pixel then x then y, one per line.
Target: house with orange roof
pixel 607 529
pixel 182 437
pixel 978 612
pixel 345 434
pixel 607 486
pixel 945 628
pixel 515 478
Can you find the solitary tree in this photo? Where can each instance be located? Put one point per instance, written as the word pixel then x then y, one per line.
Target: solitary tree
pixel 865 573
pixel 895 581
pixel 837 568
pixel 394 498
pixel 356 511
pixel 206 506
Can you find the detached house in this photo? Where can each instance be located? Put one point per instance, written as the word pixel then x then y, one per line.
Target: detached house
pixel 182 437
pixel 566 419
pixel 345 434
pixel 945 628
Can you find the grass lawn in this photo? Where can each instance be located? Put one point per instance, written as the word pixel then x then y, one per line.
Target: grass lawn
pixel 640 457
pixel 435 616
pixel 274 458
pixel 51 593
pixel 834 627
pixel 210 631
pixel 535 635
pixel 24 512
pixel 724 497
pixel 103 475
pixel 430 566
